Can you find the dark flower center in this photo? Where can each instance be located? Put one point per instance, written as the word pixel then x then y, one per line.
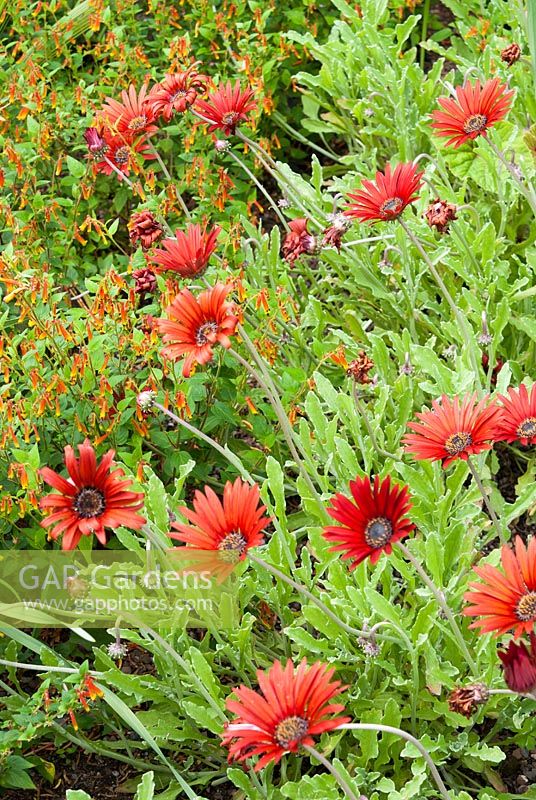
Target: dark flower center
pixel 122 155
pixel 206 332
pixel 89 502
pixel 391 206
pixel 230 118
pixel 178 94
pixel 527 428
pixel 475 124
pixel 378 532
pixel 290 730
pixel 526 608
pixel 232 547
pixel 457 443
pixel 138 123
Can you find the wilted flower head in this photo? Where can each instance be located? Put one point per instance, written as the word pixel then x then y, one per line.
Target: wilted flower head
pixel 519 665
pixel 511 54
pixel 298 240
pixel 95 143
pixel 440 214
pixel 145 399
pixel 145 281
pixel 143 227
pixel 332 236
pixel 466 699
pixel 485 338
pixel 359 368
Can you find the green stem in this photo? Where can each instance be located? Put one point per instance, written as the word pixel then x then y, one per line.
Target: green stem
pixel 336 774
pixel 363 414
pixel 424 30
pixel 170 179
pixel 442 603
pixel 487 503
pixel 528 191
pixel 119 172
pixel 260 187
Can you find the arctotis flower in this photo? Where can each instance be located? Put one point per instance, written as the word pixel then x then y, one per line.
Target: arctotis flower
pixel 453 429
pixel 91 499
pixel 475 109
pixel 298 240
pixel 195 325
pixel 370 524
pixel 176 93
pixel 143 227
pixel 465 700
pixel 518 420
pixel 228 527
pixel 131 117
pixel 188 253
pixel 119 153
pixel 519 666
pixel 506 601
pixel 226 107
pixel 387 197
pixel 440 214
pixel 292 706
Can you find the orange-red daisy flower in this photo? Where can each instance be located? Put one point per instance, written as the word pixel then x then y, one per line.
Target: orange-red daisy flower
pixel 388 196
pixel 371 523
pixel 453 429
pixel 519 666
pixel 176 93
pixel 90 500
pixel 518 420
pixel 292 706
pixel 229 527
pixel 195 325
pixel 475 109
pixel 188 253
pixel 226 107
pixel 298 240
pixel 118 152
pixel 131 117
pixel 506 601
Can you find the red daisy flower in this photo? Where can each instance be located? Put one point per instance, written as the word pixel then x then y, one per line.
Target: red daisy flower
pixel 292 707
pixel 371 523
pixel 188 253
pixel 226 107
pixel 132 116
pixel 118 152
pixel 507 602
pixel 519 666
pixel 387 198
pixel 195 325
pixel 518 420
pixel 475 109
pixel 298 240
pixel 230 527
pixel 453 430
pixel 177 92
pixel 90 500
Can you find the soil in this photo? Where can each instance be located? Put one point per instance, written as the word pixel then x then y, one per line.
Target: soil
pixel 518 771
pixel 511 468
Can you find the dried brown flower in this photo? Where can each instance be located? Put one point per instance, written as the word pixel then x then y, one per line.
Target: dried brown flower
pixel 466 699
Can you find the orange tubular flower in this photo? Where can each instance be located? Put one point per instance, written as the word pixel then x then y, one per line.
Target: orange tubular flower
pixel 226 107
pixel 188 253
pixel 372 523
pixel 518 421
pixel 132 117
pixel 507 602
pixel 292 706
pixel 453 429
pixel 387 197
pixel 475 109
pixel 92 499
pixel 176 93
pixel 195 325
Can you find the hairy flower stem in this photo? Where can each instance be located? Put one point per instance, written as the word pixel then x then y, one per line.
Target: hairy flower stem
pixel 119 172
pixel 363 414
pixel 485 497
pixel 528 192
pixel 365 726
pixel 469 343
pixel 170 179
pixel 273 399
pixel 260 187
pixel 301 589
pixel 224 451
pixel 442 603
pixel 336 774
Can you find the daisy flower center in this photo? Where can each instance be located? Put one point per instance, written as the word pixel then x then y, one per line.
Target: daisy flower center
pixel 206 333
pixel 121 155
pixel 89 502
pixel 527 428
pixel 391 206
pixel 457 443
pixel 475 124
pixel 138 123
pixel 230 118
pixel 178 94
pixel 290 730
pixel 232 547
pixel 378 532
pixel 526 608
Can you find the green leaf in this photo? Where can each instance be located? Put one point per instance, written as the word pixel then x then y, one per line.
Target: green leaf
pixel 77 794
pixel 145 790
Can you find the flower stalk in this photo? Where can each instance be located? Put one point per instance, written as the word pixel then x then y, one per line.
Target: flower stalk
pixel 336 774
pixel 485 497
